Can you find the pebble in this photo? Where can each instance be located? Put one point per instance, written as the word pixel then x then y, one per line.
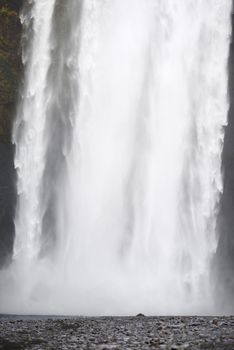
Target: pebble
pixel 116 333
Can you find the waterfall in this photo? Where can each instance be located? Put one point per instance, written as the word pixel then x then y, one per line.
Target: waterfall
pixel 119 136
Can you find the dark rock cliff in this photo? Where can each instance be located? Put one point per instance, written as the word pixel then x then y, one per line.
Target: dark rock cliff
pixel 10 72
pixel 225 253
pixel 10 64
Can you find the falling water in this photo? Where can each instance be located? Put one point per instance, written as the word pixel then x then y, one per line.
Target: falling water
pixel 118 136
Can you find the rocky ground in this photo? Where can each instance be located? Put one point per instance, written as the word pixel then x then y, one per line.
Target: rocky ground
pixel 117 333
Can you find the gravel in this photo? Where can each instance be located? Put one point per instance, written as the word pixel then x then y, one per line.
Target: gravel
pixel 103 333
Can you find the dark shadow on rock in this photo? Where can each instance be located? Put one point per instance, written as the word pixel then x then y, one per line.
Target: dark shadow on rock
pixel 7 201
pixel 224 261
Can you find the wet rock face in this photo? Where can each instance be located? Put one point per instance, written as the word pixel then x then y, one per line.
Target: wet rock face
pixel 169 333
pixel 10 64
pixel 7 202
pixel 224 260
pixel 10 72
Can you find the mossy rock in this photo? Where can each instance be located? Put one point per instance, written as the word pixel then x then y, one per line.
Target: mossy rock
pixel 12 4
pixel 10 64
